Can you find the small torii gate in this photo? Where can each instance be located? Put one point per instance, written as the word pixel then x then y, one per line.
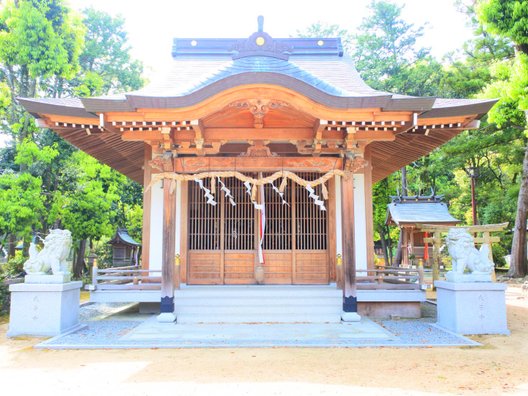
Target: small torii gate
pixel 436 240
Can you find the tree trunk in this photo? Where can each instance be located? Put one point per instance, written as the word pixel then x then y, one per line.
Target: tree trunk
pixel 381 231
pixel 518 265
pixel 79 265
pixel 11 245
pixel 398 259
pixel 404 181
pixel 389 245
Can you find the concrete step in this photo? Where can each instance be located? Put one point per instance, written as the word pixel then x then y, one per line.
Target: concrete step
pixel 263 301
pixel 258 304
pixel 257 291
pixel 275 318
pixel 233 309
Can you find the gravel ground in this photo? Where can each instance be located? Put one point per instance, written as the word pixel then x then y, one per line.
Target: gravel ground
pixel 105 326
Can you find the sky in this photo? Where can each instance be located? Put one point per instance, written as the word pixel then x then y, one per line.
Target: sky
pixel 152 24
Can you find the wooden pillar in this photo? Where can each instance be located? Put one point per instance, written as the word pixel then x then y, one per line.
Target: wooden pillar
pixel 168 254
pixel 145 238
pixel 349 261
pixel 369 211
pixel 404 247
pixel 437 243
pixel 411 243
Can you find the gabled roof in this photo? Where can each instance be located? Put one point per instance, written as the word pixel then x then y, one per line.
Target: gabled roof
pixel 315 68
pixel 419 210
pixel 122 237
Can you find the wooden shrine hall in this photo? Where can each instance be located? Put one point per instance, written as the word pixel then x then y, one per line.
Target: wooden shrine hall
pixel 258 157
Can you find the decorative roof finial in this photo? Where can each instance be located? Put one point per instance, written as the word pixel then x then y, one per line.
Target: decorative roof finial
pixel 260 21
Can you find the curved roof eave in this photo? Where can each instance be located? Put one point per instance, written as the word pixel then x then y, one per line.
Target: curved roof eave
pixel 134 101
pixel 71 107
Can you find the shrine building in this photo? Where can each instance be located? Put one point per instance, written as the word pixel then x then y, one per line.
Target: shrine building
pixel 258 157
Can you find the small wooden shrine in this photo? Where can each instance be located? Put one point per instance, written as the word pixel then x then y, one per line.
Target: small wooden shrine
pixel 258 157
pixel 125 250
pixel 408 213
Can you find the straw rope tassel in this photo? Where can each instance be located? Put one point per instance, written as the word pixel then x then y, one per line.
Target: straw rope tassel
pixel 283 185
pixel 324 191
pixel 213 185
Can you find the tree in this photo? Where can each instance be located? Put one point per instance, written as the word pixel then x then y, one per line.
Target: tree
pixel 323 30
pixel 39 41
pixel 106 63
pixel 88 209
pixel 509 18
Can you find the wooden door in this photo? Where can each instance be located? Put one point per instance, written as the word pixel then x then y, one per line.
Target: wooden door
pixel 223 238
pixel 204 229
pixel 239 235
pixel 311 240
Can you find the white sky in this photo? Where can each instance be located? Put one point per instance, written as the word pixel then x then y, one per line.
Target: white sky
pixel 152 24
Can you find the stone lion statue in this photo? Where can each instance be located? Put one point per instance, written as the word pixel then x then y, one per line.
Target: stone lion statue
pixel 53 256
pixel 465 257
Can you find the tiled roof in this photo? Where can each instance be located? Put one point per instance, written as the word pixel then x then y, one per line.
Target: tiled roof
pixel 419 212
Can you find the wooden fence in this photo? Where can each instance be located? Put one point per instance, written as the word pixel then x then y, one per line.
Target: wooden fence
pixel 125 278
pixel 390 278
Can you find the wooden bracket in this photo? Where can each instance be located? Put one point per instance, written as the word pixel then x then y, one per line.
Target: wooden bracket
pixel 166 136
pixel 199 140
pixel 319 128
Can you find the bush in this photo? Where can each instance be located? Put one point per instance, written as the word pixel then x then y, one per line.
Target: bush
pixel 14 268
pixel 4 297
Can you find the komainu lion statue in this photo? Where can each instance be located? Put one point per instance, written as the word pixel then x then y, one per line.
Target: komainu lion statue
pixel 465 257
pixel 53 256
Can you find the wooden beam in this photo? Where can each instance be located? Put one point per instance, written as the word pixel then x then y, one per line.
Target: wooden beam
pixel 471 229
pixel 250 164
pixel 138 136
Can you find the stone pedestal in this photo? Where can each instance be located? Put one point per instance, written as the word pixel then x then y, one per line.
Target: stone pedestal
pixel 39 309
pixel 472 308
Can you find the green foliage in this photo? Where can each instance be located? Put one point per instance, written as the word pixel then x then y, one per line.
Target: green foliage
pixel 20 204
pixel 507 18
pixel 14 267
pixel 386 48
pixel 323 30
pixel 105 61
pixel 88 208
pixel 42 36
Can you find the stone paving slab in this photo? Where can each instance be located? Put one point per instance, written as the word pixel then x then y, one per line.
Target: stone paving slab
pixel 131 330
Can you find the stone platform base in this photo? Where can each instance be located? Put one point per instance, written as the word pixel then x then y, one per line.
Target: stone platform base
pixel 387 310
pixel 44 309
pixel 472 308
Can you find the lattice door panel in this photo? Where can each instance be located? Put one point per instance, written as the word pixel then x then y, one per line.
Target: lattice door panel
pixel 204 220
pixel 278 234
pixel 311 255
pixel 239 235
pixel 239 220
pixel 310 220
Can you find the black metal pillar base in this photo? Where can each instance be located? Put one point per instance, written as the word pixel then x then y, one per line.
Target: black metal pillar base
pixel 167 305
pixel 350 304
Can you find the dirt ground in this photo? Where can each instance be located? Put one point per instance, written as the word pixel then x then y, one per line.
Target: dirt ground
pixel 500 366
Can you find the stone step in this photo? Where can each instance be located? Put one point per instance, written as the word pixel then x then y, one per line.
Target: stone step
pixel 258 304
pixel 260 310
pixel 263 301
pixel 258 291
pixel 256 318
